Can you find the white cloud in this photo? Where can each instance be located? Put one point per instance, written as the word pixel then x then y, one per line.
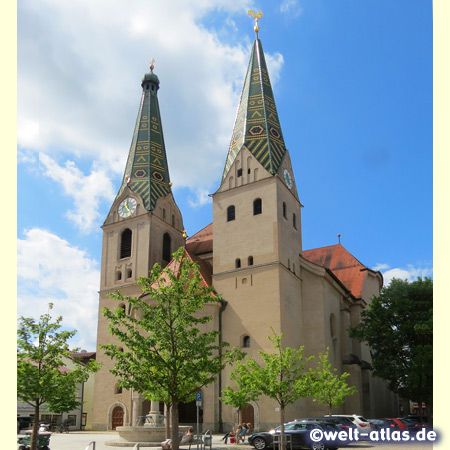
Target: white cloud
pixel 85 190
pixel 291 8
pixel 409 273
pixel 51 270
pixel 79 70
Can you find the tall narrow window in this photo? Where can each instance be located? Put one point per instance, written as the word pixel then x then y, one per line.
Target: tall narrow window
pixel 250 260
pixel 125 243
pixel 294 221
pixel 284 210
pixel 257 206
pixel 167 241
pixel 246 341
pixel 237 263
pixel 231 213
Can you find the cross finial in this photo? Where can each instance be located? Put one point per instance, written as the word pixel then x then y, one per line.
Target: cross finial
pixel 151 64
pixel 256 17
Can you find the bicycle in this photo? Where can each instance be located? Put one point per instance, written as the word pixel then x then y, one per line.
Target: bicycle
pixel 63 427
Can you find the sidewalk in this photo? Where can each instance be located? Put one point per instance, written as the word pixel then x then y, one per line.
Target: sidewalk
pixel 79 440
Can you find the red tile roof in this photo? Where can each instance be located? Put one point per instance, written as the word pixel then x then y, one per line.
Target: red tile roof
pixel 342 263
pixel 204 268
pixel 201 242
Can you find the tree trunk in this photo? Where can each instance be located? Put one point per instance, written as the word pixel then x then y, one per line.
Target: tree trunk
pixel 34 435
pixel 283 434
pixel 174 415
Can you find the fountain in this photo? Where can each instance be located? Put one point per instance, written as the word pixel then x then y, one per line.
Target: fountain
pixel 149 430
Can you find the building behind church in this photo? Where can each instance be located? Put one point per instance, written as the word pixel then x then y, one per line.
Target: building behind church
pixel 251 253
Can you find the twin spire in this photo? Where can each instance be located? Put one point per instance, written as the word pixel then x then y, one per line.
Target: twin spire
pixel 257 127
pixel 146 171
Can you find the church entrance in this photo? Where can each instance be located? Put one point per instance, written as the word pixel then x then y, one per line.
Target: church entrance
pixel 117 417
pixel 248 415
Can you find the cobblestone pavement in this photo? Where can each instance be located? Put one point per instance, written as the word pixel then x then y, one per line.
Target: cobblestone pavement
pixel 80 441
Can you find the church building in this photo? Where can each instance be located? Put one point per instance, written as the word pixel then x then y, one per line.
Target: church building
pixel 251 253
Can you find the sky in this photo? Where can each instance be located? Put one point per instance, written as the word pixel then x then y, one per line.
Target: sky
pixel 353 85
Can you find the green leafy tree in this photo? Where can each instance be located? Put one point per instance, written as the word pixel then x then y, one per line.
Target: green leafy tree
pixel 42 353
pixel 281 377
pixel 166 356
pixel 398 327
pixel 327 387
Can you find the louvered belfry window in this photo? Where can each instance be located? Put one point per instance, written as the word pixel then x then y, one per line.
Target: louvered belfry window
pixel 231 213
pixel 125 244
pixel 257 206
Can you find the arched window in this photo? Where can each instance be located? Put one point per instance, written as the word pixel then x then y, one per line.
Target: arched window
pixel 129 273
pixel 238 263
pixel 125 243
pixel 118 388
pixel 246 341
pixel 284 210
pixel 231 213
pixel 294 221
pixel 166 256
pixel 257 206
pixel 250 260
pixel 118 275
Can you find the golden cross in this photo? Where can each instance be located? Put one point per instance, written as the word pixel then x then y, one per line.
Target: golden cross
pixel 256 17
pixel 151 63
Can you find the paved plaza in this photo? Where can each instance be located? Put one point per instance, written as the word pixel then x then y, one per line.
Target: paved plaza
pixel 80 441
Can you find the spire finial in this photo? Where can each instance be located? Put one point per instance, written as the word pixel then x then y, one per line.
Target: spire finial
pixel 151 64
pixel 256 17
pixel 339 237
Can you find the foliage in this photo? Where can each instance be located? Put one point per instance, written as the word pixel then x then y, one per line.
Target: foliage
pixel 398 326
pixel 281 377
pixel 166 356
pixel 328 388
pixel 42 353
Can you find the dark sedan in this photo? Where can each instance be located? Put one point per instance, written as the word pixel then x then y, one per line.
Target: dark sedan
pixel 298 432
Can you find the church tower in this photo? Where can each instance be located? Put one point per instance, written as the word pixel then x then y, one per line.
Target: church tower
pixel 143 227
pixel 257 227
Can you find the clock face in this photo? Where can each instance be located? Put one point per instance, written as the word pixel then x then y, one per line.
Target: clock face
pixel 288 178
pixel 127 207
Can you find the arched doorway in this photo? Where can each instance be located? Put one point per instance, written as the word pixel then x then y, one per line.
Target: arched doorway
pixel 248 415
pixel 117 417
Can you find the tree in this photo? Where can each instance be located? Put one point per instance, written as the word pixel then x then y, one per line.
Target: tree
pixel 281 377
pixel 398 327
pixel 166 356
pixel 328 388
pixel 42 348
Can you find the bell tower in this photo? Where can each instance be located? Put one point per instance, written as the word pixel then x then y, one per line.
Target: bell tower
pixel 144 226
pixel 257 226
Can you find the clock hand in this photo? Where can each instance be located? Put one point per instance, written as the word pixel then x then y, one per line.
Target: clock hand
pixel 126 206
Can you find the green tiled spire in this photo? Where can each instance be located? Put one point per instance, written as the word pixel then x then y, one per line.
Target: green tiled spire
pixel 146 171
pixel 257 125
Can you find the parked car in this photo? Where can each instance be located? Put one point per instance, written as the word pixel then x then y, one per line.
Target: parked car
pixel 401 425
pixel 413 426
pixel 361 423
pixel 384 423
pixel 341 422
pixel 299 433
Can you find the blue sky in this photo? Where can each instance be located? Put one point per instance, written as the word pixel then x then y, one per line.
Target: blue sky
pixel 353 88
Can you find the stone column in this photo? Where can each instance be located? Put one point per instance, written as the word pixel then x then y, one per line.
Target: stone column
pixel 136 412
pixel 156 419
